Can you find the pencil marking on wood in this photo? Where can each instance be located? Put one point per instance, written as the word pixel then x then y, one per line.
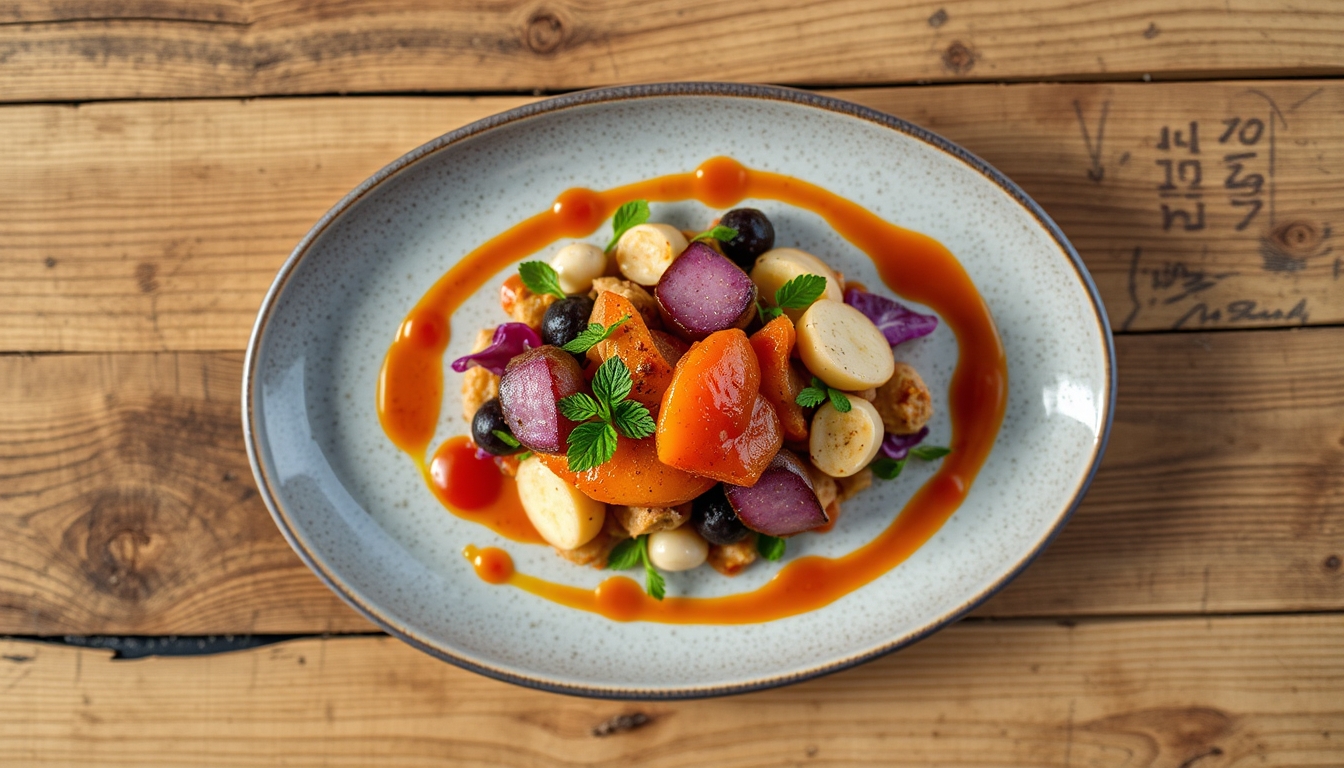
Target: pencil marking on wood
pixel 1133 288
pixel 1095 172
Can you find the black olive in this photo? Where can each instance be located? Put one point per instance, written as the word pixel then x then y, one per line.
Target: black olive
pixel 488 420
pixel 755 235
pixel 714 518
pixel 566 319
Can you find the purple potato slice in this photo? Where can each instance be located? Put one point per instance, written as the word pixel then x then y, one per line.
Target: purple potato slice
pixel 703 292
pixel 530 393
pixel 783 502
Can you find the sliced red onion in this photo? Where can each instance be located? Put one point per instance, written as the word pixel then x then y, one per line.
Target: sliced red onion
pixel 898 446
pixel 897 323
pixel 510 340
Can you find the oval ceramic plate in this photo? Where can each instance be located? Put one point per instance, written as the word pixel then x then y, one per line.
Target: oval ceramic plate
pixel 356 510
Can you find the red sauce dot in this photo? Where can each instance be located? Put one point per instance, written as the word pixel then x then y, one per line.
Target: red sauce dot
pixel 580 211
pixel 492 565
pixel 462 480
pixel 721 182
pixel 425 329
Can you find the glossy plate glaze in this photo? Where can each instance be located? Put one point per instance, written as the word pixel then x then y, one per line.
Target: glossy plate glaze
pixel 357 511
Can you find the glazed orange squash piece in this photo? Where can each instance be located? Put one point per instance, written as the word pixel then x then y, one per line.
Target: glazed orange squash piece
pixel 636 347
pixel 780 381
pixel 633 477
pixel 714 421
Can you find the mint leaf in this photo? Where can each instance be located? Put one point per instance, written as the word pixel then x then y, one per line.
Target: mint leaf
pixel 506 438
pixel 886 468
pixel 839 399
pixel 540 278
pixel 633 420
pixel 612 383
pixel 625 555
pixel 632 214
pixel 578 407
pixel 767 313
pixel 524 456
pixel 810 397
pixel 770 548
pixel 590 444
pixel 587 339
pixel 653 582
pixel 721 233
pixel 800 292
pixel 929 452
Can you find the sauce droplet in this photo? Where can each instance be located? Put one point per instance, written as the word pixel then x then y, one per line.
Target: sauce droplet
pixel 493 565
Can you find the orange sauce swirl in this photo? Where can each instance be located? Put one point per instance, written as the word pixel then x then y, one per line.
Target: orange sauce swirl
pixel 915 266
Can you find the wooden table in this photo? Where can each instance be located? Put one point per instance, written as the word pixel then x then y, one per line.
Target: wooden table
pixel 161 157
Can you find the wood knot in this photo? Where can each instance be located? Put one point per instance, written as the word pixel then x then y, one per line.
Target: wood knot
pixel 120 543
pixel 1151 32
pixel 959 58
pixel 145 272
pixel 1332 563
pixel 1288 246
pixel 545 32
pixel 621 724
pixel 938 19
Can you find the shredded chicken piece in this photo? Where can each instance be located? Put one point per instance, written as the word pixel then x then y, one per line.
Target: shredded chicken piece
pixel 478 384
pixel 642 299
pixel 730 559
pixel 823 484
pixel 638 521
pixel 850 486
pixel 529 307
pixel 904 402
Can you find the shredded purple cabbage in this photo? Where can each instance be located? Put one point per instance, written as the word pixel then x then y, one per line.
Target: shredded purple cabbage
pixel 509 341
pixel 897 323
pixel 898 446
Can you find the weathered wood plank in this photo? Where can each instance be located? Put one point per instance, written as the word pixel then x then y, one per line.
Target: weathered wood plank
pixel 127 505
pixel 1176 692
pixel 119 222
pixel 166 48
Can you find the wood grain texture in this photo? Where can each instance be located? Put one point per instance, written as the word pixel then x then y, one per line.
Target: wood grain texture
pixel 149 226
pixel 164 48
pixel 1176 692
pixel 127 505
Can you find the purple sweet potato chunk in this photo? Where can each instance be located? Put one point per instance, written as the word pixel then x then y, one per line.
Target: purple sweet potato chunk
pixel 897 322
pixel 898 446
pixel 530 393
pixel 783 502
pixel 703 292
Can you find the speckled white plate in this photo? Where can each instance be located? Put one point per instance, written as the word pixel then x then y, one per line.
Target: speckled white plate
pixel 356 510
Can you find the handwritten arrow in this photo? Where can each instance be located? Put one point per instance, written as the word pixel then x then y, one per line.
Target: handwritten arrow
pixel 1096 173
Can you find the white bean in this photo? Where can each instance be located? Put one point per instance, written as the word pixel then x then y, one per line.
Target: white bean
pixel 680 549
pixel 578 264
pixel 843 348
pixel 562 514
pixel 645 252
pixel 842 444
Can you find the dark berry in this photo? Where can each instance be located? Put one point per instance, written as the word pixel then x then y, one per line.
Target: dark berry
pixel 714 518
pixel 488 420
pixel 755 235
pixel 566 319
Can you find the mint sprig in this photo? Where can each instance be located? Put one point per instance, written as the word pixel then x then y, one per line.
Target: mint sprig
pixel 541 278
pixel 632 214
pixel 631 552
pixel 818 393
pixel 589 337
pixel 770 547
pixel 890 469
pixel 798 293
pixel 594 442
pixel 721 233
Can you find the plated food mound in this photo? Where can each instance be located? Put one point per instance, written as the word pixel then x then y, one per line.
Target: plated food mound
pixel 683 398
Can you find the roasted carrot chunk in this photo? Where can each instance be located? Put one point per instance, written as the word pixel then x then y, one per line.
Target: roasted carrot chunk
pixel 780 381
pixel 632 477
pixel 714 421
pixel 632 343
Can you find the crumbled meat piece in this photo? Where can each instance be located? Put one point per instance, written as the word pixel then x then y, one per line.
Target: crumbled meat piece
pixel 869 394
pixel 823 484
pixel 904 402
pixel 638 521
pixel 529 307
pixel 642 299
pixel 850 486
pixel 595 552
pixel 730 559
pixel 478 384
